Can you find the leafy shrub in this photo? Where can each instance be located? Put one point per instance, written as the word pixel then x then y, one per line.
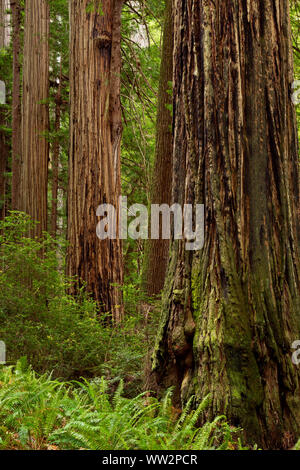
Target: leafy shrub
pixel 56 332
pixel 40 413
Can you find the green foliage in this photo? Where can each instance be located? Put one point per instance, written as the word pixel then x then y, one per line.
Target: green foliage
pixel 6 70
pixel 55 331
pixel 95 7
pixel 40 413
pixel 295 23
pixel 31 407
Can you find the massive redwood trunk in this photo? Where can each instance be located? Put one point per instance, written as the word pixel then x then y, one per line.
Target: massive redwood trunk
pixel 157 251
pixel 231 310
pixel 95 134
pixel 35 118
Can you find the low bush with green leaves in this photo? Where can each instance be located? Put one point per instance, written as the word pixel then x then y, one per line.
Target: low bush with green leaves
pixel 37 412
pixel 55 331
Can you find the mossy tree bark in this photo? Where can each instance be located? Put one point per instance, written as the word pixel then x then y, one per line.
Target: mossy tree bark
pixel 231 310
pixel 157 251
pixel 95 135
pixel 35 114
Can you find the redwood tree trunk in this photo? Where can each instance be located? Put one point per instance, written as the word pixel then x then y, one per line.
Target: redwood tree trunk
pixel 4 147
pixel 231 310
pixel 2 23
pixel 35 116
pixel 157 251
pixel 95 135
pixel 4 153
pixel 16 105
pixel 55 160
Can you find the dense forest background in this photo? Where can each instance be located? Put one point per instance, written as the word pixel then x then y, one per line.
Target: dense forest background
pixel 103 99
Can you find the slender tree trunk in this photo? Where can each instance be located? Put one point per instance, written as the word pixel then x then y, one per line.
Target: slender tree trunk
pixel 95 135
pixel 55 161
pixel 35 116
pixel 4 147
pixel 16 104
pixel 157 251
pixel 231 310
pixel 4 152
pixel 2 23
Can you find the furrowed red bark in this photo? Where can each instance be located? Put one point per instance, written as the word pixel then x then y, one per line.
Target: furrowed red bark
pixel 16 104
pixel 95 134
pixel 35 116
pixel 4 146
pixel 231 310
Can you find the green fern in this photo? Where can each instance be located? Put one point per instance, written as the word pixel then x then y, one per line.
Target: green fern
pixel 37 411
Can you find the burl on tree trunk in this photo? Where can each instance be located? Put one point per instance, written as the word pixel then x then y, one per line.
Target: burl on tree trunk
pixel 231 311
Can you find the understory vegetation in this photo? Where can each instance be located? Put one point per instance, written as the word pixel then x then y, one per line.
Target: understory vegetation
pixel 54 330
pixel 107 409
pixel 94 397
pixel 38 412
